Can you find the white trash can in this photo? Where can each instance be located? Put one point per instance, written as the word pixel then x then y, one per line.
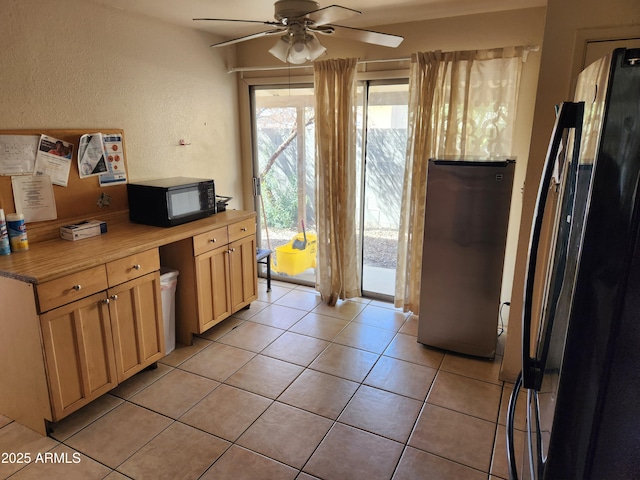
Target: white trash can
pixel 168 283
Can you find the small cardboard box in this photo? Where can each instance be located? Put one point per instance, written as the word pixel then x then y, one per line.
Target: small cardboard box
pixel 86 229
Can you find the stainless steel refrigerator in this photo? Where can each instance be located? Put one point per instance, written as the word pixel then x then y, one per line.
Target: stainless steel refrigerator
pixel 581 351
pixel 465 233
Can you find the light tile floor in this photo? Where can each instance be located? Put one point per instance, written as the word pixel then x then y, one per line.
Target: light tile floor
pixel 288 389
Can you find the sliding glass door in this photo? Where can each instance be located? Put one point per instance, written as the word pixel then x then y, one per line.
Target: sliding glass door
pixel 284 139
pixel 284 142
pixel 383 173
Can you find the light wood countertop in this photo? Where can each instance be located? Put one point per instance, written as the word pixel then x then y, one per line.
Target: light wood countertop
pixel 52 259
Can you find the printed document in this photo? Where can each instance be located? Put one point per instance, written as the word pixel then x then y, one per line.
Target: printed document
pixel 54 159
pixel 33 196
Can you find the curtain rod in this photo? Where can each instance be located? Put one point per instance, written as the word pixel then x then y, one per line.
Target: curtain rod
pixel 533 48
pixel 298 67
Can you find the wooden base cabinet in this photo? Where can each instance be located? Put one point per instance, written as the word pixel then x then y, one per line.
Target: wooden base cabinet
pixel 218 276
pixel 79 353
pixel 98 327
pixel 93 344
pixel 78 318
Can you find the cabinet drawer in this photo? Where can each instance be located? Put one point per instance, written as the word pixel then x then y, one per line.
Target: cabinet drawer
pixel 205 242
pixel 71 287
pixel 133 266
pixel 242 229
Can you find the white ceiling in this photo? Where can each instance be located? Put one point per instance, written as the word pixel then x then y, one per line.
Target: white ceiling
pixel 374 12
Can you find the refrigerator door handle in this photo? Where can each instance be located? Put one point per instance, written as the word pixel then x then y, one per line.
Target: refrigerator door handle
pixel 511 412
pixel 569 116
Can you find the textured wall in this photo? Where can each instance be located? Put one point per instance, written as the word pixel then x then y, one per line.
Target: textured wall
pixel 75 64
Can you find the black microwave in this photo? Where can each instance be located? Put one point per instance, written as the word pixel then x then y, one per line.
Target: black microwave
pixel 171 201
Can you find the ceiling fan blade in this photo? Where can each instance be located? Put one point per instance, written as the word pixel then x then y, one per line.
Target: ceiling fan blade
pixel 242 21
pixel 331 14
pixel 367 36
pixel 248 37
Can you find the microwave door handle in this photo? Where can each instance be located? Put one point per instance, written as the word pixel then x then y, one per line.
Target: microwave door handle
pixel 569 116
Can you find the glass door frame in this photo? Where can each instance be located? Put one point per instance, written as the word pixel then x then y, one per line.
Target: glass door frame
pixel 363 84
pixel 367 84
pixel 257 193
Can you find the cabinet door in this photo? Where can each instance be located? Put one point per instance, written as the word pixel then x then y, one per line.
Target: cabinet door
pixel 243 272
pixel 137 323
pixel 214 300
pixel 78 350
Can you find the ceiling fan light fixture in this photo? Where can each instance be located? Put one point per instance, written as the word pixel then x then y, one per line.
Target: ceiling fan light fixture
pixel 299 52
pixel 297 49
pixel 280 49
pixel 315 48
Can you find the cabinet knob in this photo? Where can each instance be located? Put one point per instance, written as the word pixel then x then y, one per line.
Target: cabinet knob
pixel 244 229
pixel 114 297
pixel 106 301
pixel 77 288
pixel 232 250
pixel 137 266
pixel 213 240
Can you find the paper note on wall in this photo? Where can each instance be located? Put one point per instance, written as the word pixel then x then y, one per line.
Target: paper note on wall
pixel 18 154
pixel 91 155
pixel 54 159
pixel 115 161
pixel 33 196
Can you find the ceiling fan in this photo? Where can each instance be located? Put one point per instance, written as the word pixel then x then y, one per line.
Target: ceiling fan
pixel 298 21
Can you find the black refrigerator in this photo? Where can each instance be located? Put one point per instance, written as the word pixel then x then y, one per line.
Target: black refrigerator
pixel 581 336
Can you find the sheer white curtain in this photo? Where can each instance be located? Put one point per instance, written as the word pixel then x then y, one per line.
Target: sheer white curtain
pixel 461 104
pixel 337 275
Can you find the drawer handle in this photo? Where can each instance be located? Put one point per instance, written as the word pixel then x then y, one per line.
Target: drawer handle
pixel 137 266
pixel 244 229
pixel 213 240
pixel 114 297
pixel 77 288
